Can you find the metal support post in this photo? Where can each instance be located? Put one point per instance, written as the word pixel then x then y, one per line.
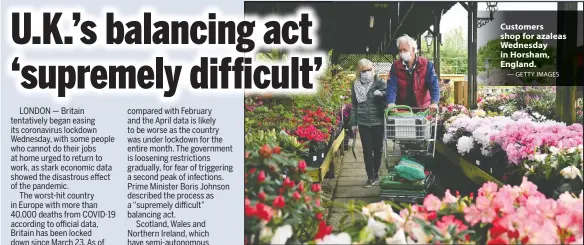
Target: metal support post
pixel 472 56
pixel 437 42
pixel 566 95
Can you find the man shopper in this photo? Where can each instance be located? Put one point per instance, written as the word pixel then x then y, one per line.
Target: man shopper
pixel 412 80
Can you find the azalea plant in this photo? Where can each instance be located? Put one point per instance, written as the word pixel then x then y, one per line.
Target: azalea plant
pixel 539 101
pixel 470 133
pixel 495 103
pixel 496 215
pixel 449 111
pixel 523 143
pixel 278 207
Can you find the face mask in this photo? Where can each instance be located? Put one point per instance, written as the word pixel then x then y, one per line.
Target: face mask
pixel 406 56
pixel 367 75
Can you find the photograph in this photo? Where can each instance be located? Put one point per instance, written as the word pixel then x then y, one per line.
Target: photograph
pixel 416 124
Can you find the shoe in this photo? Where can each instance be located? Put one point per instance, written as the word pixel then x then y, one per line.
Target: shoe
pixel 375 181
pixel 368 184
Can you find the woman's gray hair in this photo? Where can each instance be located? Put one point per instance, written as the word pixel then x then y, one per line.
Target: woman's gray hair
pixel 407 39
pixel 363 64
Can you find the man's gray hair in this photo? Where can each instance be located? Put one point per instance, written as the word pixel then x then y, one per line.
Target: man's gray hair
pixel 407 39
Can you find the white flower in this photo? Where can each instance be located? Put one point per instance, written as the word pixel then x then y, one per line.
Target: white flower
pixel 571 150
pixel 376 207
pixel 540 157
pixel 420 235
pixel 398 238
pixel 376 228
pixel 479 113
pixel 570 172
pixel 266 234
pixel 519 115
pixel 390 217
pixel 282 234
pixel 447 137
pixel 341 238
pixel 554 150
pixel 465 145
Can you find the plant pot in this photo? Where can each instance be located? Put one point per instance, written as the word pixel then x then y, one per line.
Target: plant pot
pixel 322 154
pixel 311 159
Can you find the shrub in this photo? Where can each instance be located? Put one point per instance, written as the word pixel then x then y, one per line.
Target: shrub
pixel 275 200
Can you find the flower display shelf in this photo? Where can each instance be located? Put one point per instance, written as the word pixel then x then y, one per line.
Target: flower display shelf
pixel 318 174
pixel 470 170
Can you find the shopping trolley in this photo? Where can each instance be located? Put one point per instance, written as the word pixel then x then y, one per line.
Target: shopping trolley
pixel 411 135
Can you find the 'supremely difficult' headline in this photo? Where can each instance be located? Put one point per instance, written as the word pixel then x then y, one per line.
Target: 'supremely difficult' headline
pixel 225 49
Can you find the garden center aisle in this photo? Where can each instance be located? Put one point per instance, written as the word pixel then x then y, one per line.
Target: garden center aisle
pixel 351 181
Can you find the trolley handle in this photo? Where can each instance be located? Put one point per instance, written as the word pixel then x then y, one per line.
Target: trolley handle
pixel 394 107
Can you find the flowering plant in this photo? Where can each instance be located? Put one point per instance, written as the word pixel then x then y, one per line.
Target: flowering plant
pixel 566 162
pixel 495 103
pixel 522 215
pixel 374 223
pixel 276 205
pixel 450 111
pixel 497 215
pixel 468 133
pixel 347 110
pixel 506 215
pixel 315 138
pixel 539 101
pixel 521 141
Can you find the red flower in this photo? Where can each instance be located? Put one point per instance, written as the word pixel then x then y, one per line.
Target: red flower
pixel 262 196
pixel 323 230
pixel 264 212
pixel 252 170
pixel 288 183
pixel 279 202
pixel 261 176
pixel 319 216
pixel 296 195
pixel 497 230
pixel 265 151
pixel 301 187
pixel 570 239
pixel 315 188
pixel 307 199
pixel 276 150
pixel 431 215
pixel 513 234
pixel 302 166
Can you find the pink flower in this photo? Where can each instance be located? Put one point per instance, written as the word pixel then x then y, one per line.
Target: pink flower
pixel 472 215
pixel 432 203
pixel 488 189
pixel 449 198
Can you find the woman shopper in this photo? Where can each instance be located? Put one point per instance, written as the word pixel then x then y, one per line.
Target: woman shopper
pixel 367 114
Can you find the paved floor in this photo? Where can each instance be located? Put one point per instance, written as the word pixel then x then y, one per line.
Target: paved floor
pixel 351 181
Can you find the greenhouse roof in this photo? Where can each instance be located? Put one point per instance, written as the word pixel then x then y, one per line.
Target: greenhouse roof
pixel 345 26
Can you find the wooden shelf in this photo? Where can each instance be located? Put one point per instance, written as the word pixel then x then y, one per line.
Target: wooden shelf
pixel 467 166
